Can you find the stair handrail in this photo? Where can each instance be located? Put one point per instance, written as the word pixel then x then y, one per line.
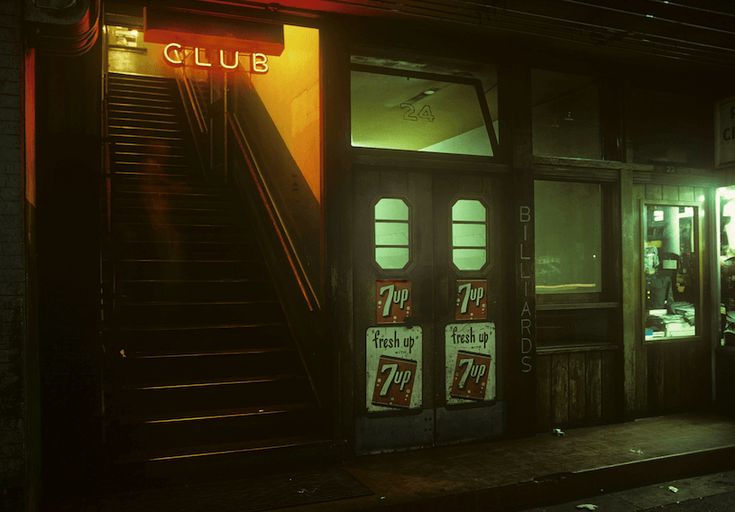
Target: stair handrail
pixel 198 126
pixel 266 196
pixel 192 99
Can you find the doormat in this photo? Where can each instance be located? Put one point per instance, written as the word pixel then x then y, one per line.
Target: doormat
pixel 242 495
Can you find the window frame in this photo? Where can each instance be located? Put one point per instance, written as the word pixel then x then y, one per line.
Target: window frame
pixel 556 307
pixel 466 274
pixel 698 241
pixel 411 236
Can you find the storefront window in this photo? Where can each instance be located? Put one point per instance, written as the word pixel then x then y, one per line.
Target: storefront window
pixel 420 111
pixel 566 119
pixel 392 230
pixel 568 237
pixel 469 234
pixel 665 128
pixel 670 270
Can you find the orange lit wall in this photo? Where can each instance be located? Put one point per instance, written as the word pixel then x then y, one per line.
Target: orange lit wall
pixel 291 93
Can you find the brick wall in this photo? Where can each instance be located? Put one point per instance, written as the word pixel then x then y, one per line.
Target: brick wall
pixel 12 261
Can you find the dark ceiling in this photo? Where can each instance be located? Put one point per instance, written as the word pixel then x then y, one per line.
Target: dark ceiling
pixel 691 30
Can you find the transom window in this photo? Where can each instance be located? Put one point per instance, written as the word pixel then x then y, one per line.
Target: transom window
pixel 411 107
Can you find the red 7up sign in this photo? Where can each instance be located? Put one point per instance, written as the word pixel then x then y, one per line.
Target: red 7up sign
pixel 470 375
pixel 471 301
pixel 394 382
pixel 393 301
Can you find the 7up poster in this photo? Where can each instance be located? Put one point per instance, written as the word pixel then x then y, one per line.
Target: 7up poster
pixel 470 362
pixel 393 368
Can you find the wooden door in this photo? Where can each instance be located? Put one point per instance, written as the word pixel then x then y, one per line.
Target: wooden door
pixel 427 308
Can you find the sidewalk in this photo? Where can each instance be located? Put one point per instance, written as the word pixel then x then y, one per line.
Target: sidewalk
pixel 501 475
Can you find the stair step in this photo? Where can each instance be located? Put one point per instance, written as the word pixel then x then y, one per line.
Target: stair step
pixel 233 289
pixel 152 148
pixel 146 178
pixel 117 131
pixel 171 201
pixel 148 355
pixel 165 399
pixel 144 139
pixel 131 155
pixel 131 232
pixel 143 113
pixel 210 415
pixel 191 269
pixel 172 194
pixel 228 426
pixel 129 104
pixel 207 367
pixel 137 79
pixel 197 312
pixel 188 249
pixel 120 162
pixel 244 457
pixel 116 90
pixel 201 338
pixel 134 99
pixel 124 128
pixel 132 120
pixel 173 246
pixel 151 167
pixel 192 191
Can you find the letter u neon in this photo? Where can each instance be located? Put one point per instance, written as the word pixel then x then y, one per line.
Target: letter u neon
pixel 229 66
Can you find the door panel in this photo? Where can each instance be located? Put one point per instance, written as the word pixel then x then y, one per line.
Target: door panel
pixel 392 427
pixel 462 415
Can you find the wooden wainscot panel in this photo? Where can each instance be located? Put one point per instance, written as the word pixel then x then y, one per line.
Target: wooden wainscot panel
pixel 678 376
pixel 576 386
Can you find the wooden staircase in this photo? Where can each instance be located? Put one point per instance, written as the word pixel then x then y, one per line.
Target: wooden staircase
pixel 202 363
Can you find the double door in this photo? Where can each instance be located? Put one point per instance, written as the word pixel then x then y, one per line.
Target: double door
pixel 428 307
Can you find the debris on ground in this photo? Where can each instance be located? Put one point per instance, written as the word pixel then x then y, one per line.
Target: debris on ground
pixel 586 506
pixel 558 432
pixel 673 489
pixel 637 451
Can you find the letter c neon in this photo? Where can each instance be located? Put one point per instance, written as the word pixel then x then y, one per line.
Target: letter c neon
pixel 174 61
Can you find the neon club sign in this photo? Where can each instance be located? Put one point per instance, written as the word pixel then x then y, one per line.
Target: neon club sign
pixel 258 61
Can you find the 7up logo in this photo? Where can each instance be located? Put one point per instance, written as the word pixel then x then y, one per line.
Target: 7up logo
pixel 394 382
pixel 470 375
pixel 393 301
pixel 471 301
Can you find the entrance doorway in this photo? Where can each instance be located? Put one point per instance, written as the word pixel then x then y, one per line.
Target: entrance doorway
pixel 428 307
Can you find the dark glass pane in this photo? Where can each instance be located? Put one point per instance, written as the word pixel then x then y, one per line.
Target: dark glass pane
pixel 566 120
pixel 667 128
pixel 568 237
pixel 574 327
